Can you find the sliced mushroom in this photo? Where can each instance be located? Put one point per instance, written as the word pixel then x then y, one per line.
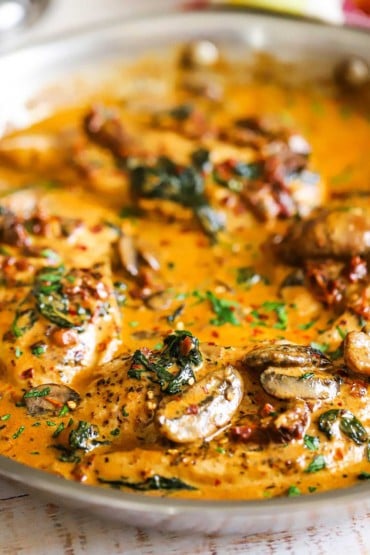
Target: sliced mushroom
pixel 285 354
pixel 146 254
pixel 161 300
pixel 199 54
pixel 357 352
pixel 50 399
pixel 339 233
pixel 203 409
pixel 128 255
pixel 132 252
pixel 299 383
pixel 352 73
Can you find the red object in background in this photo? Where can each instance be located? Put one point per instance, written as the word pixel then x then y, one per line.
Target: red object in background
pixel 363 5
pixel 357 12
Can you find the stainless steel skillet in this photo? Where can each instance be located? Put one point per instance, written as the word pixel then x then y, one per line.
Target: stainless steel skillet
pixel 23 73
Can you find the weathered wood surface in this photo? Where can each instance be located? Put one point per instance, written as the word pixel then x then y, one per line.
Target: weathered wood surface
pixel 29 526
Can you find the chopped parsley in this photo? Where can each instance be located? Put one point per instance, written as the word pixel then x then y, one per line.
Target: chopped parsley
pixel 279 308
pixel 224 309
pixel 306 376
pixel 59 430
pixel 322 347
pixel 311 442
pixel 23 321
pixel 317 463
pixel 18 352
pixel 293 491
pixel 38 349
pixel 18 432
pixel 35 392
pixel 64 410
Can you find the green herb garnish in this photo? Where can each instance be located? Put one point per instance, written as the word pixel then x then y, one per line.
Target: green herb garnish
pixel 155 482
pixel 364 476
pixel 317 463
pixel 36 393
pixel 311 442
pixel 293 491
pixel 18 432
pixel 180 351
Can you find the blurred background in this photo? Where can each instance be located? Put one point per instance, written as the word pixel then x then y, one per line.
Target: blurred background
pixel 22 21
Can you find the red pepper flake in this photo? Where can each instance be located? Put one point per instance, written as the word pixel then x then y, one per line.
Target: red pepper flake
pixel 96 228
pixel 202 242
pixel 81 247
pixel 164 242
pixel 192 409
pixel 217 482
pixel 186 346
pixel 267 409
pixel 215 334
pixel 242 432
pixel 27 374
pixel 358 389
pixel 257 331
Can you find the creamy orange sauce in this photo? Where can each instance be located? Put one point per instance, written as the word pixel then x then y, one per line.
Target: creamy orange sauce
pixel 72 202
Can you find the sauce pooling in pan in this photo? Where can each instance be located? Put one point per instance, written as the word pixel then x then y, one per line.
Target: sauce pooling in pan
pixel 185 286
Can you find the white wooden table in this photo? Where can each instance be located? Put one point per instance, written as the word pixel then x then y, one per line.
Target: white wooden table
pixel 29 526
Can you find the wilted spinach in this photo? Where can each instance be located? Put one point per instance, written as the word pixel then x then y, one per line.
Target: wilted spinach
pixel 181 349
pixel 155 482
pixel 181 184
pixel 348 425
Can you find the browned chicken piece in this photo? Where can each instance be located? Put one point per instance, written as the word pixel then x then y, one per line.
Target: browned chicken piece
pixel 131 392
pixel 357 352
pixel 59 312
pixel 62 323
pixel 338 233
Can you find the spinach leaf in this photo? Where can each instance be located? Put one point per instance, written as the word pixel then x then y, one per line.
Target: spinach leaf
pixel 246 275
pixel 83 436
pixel 155 482
pixel 51 302
pixel 352 427
pixel 23 321
pixel 348 425
pixel 364 476
pixel 181 349
pixel 181 112
pixel 326 422
pixel 235 175
pixel 181 184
